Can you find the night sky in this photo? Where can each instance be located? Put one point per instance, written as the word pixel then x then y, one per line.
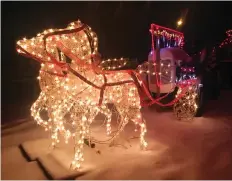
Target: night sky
pixel 122 29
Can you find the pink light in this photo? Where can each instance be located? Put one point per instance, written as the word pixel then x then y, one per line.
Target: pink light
pixel 154 26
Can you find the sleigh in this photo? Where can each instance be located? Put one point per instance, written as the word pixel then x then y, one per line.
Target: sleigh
pixel 168 65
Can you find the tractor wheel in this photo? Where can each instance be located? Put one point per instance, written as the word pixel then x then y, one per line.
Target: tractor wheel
pixel 184 109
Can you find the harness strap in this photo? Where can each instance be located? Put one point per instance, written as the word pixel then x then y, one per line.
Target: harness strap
pixel 103 87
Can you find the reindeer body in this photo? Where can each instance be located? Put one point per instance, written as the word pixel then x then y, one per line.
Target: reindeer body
pixel 73 91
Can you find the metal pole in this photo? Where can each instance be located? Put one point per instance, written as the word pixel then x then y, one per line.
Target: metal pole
pixel 158 65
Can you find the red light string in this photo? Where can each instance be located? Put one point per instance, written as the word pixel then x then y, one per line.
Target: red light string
pixel 228 40
pixel 155 101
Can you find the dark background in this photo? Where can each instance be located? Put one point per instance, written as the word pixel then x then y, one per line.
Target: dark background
pixel 122 29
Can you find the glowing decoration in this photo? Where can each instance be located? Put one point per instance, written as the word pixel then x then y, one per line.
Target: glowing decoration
pixel 74 88
pixel 113 64
pixel 187 78
pixel 185 108
pixel 167 37
pixel 186 82
pixel 228 40
pixel 76 85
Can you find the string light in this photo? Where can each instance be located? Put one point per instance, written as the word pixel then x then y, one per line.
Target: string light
pixel 113 64
pixel 186 80
pixel 185 108
pixel 76 85
pixel 228 40
pixel 74 91
pixel 167 37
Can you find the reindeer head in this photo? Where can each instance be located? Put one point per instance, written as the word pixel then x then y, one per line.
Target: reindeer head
pixel 54 49
pixel 76 45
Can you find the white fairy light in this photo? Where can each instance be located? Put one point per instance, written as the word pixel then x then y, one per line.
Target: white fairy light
pixel 65 103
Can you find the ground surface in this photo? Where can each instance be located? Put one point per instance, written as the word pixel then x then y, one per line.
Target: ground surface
pixel 201 149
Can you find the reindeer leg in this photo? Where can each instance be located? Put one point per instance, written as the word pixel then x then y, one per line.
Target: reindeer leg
pixel 107 112
pixel 79 142
pixel 143 130
pixel 91 118
pixel 121 126
pixel 139 121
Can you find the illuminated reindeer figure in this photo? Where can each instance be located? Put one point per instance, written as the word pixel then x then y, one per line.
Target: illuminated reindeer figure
pixel 75 88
